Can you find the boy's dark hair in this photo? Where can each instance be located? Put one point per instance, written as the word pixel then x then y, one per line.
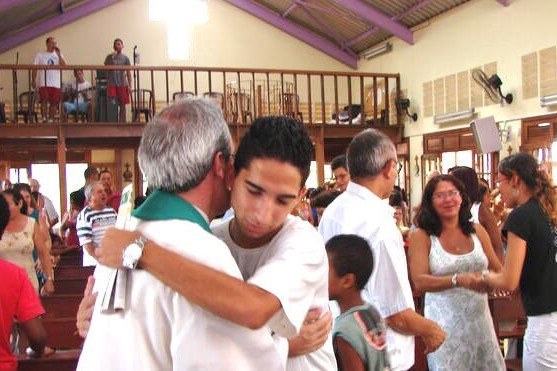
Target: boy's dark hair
pixel 349 253
pixel 90 171
pixel 4 214
pixel 276 137
pixel 324 198
pixel 339 161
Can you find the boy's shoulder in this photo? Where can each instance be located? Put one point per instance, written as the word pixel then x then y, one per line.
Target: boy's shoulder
pixel 362 322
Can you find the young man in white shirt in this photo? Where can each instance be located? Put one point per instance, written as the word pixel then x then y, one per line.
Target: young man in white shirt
pixel 48 81
pixel 281 257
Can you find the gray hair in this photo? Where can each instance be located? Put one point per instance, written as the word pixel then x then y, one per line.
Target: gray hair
pixel 89 189
pixel 178 146
pixel 368 153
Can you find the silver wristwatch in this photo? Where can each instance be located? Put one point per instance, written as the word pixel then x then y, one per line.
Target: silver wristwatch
pixel 132 253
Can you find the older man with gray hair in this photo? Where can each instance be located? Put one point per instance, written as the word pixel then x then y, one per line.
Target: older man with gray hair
pixel 93 221
pixel 185 153
pixel 362 210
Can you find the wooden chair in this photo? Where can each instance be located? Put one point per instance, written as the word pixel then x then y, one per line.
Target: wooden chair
pixel 142 103
pixel 509 320
pixel 290 104
pixel 182 95
pixel 240 104
pixel 509 317
pixel 218 98
pixel 28 106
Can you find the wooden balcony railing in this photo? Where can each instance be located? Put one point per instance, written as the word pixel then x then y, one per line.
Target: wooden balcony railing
pixel 313 97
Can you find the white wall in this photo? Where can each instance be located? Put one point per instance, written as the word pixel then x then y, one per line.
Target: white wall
pixel 479 32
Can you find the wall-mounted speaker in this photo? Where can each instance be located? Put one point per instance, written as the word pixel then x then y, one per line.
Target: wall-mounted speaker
pixel 486 135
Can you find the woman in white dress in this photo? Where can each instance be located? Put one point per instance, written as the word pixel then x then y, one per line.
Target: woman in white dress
pixel 447 255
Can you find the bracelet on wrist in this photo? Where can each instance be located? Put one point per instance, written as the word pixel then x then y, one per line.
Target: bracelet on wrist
pixel 485 273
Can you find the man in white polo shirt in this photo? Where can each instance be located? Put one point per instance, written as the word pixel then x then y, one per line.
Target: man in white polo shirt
pixel 185 153
pixel 93 221
pixel 362 210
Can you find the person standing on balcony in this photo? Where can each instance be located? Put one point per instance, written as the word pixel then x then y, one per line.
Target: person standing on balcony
pixel 48 81
pixel 119 81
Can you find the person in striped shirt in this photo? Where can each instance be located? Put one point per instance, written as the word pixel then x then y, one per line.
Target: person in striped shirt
pixel 93 221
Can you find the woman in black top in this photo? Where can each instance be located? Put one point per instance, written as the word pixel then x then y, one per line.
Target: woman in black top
pixel 531 259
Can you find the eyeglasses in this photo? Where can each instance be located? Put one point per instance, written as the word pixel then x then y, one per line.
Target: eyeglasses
pixel 400 166
pixel 446 194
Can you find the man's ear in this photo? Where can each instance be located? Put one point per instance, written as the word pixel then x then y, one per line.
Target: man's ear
pixel 387 169
pixel 219 165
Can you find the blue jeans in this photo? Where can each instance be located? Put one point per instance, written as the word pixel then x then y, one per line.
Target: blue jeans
pixel 71 106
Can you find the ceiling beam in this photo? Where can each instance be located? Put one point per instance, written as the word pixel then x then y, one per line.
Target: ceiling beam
pixel 8 4
pixel 327 28
pixel 53 23
pixel 375 29
pixel 379 19
pixel 297 31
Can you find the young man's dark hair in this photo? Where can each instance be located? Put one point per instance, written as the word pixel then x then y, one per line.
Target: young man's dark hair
pixel 117 40
pixel 339 161
pixel 91 170
pixel 349 253
pixel 276 137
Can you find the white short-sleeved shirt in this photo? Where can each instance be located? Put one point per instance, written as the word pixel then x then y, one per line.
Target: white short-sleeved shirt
pixel 91 225
pixel 52 76
pixel 49 208
pixel 359 211
pixel 293 266
pixel 161 330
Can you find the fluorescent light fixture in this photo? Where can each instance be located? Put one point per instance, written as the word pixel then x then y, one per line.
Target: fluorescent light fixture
pixel 544 124
pixel 455 116
pixel 378 50
pixel 548 100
